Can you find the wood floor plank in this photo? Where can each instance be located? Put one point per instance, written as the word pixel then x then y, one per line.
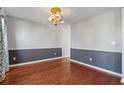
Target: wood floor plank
pixel 58 72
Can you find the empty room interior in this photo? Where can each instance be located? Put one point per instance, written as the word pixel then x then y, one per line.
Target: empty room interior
pixel 61 46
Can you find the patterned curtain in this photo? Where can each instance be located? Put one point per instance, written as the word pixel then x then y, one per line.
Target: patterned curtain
pixel 4 58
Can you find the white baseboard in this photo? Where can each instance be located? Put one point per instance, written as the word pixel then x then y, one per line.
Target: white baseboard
pixel 38 61
pixel 122 80
pixel 91 66
pixel 97 68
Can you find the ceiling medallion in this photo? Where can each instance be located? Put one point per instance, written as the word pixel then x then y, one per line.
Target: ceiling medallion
pixel 56 18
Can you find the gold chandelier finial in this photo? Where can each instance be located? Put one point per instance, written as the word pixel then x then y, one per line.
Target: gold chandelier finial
pixel 56 10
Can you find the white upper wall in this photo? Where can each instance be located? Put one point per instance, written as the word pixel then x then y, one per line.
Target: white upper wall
pixel 102 32
pixel 64 39
pixel 23 34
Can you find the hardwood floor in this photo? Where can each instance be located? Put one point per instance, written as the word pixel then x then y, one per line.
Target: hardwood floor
pixel 60 71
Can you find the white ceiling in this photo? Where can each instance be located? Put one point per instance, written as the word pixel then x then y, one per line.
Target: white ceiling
pixel 40 14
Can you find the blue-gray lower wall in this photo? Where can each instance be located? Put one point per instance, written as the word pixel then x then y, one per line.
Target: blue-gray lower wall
pixel 107 60
pixel 27 55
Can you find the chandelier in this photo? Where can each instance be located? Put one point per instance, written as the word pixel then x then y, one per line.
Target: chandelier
pixel 56 18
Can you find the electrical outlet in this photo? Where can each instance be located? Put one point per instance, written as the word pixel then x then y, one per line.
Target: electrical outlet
pixel 90 59
pixel 55 54
pixel 14 58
